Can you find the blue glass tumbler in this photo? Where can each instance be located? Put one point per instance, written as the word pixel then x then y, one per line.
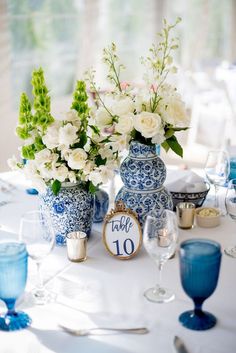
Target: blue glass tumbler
pixel 200 261
pixel 232 173
pixel 13 276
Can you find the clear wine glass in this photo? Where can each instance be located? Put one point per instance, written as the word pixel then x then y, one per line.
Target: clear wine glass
pixel 230 204
pixel 36 231
pixel 13 276
pixel 160 240
pixel 217 170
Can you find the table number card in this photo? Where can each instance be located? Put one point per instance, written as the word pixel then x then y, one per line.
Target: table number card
pixel 122 234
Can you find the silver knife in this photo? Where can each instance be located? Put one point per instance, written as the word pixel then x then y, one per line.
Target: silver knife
pixel 179 345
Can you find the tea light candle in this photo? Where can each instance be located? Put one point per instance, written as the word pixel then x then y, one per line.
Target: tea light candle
pixel 163 239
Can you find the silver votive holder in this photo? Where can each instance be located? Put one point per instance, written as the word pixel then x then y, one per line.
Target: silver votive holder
pixel 76 246
pixel 185 214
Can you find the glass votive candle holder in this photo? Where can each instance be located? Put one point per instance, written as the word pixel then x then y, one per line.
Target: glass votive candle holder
pixel 185 214
pixel 76 246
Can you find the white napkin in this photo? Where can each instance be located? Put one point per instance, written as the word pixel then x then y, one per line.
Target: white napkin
pixel 184 181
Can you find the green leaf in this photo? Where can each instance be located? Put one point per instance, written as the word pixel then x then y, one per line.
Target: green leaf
pixel 175 146
pixel 99 161
pixel 180 128
pixel 165 146
pixel 92 188
pixel 56 187
pixel 95 129
pixel 82 140
pixel 169 133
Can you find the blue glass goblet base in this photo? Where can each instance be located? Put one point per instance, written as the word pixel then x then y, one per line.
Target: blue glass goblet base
pixel 15 321
pixel 198 322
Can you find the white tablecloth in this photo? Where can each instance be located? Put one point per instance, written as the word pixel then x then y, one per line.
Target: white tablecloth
pixel 106 291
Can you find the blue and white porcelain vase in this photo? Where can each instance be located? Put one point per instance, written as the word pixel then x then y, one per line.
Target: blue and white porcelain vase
pixel 71 210
pixel 101 205
pixel 143 174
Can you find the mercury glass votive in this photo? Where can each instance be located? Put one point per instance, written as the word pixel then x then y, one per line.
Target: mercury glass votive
pixel 76 246
pixel 185 214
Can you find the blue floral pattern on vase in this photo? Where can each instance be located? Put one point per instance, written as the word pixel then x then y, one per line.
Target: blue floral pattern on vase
pixel 143 174
pixel 71 210
pixel 101 205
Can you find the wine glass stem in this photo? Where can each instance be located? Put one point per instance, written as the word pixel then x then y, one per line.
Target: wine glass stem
pixel 216 195
pixel 159 282
pixel 40 285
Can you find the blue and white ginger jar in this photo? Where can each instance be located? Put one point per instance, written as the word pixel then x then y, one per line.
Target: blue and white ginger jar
pixel 143 174
pixel 101 205
pixel 71 210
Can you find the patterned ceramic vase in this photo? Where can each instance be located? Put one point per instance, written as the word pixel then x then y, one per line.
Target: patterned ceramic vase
pixel 71 210
pixel 143 174
pixel 101 205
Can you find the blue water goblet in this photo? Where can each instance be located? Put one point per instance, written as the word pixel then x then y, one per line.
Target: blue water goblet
pixel 13 276
pixel 200 261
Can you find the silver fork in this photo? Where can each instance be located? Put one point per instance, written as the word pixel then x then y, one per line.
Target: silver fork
pixel 104 330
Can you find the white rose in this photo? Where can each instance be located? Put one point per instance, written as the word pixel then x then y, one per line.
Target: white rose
pixel 148 124
pixel 173 111
pixel 77 159
pixel 125 124
pixel 95 177
pixel 122 106
pixel 68 135
pixel 51 138
pixel 60 173
pixel 103 118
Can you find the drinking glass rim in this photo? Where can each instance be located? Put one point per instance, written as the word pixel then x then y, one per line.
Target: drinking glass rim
pixel 22 252
pixel 206 241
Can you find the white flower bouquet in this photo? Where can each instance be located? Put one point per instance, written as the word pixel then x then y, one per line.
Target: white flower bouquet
pixel 58 151
pixel 151 114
